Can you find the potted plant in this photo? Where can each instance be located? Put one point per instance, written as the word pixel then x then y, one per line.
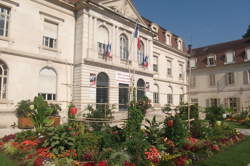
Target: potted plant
pixel 55 114
pixel 22 110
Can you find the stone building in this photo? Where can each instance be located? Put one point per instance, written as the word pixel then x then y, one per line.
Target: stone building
pixel 84 52
pixel 220 75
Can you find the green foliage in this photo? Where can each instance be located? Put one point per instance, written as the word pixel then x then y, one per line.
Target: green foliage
pixel 118 158
pixel 101 113
pixel 9 149
pixel 64 161
pixel 26 135
pixel 247 34
pixel 194 111
pixel 199 129
pixel 23 107
pixel 55 109
pixel 167 109
pixel 59 139
pixel 178 132
pixel 214 114
pixel 143 104
pixel 246 123
pixel 135 118
pixel 154 133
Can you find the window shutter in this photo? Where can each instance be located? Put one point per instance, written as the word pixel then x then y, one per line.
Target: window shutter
pixel 47 81
pixel 226 102
pixel 245 78
pixel 207 103
pixel 50 29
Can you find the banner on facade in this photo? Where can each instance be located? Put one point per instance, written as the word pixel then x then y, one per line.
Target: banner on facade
pixel 122 77
pixel 92 79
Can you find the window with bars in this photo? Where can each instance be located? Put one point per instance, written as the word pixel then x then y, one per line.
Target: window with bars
pixel 50 34
pixel 170 98
pixel 155 63
pixel 3 80
pixel 4 21
pixel 123 48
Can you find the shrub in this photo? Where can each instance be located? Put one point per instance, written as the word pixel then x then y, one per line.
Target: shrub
pixel 23 108
pixel 214 114
pixel 194 111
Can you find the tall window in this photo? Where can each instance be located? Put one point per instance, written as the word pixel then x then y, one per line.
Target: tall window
pixel 50 34
pixel 179 45
pixel 211 79
pixel 233 103
pixel 229 78
pixel 181 72
pixel 170 98
pixel 102 40
pixel 3 80
pixel 102 91
pixel 47 84
pixel 155 63
pixel 123 47
pixel 168 39
pixel 4 21
pixel 140 54
pixel 156 94
pixel 230 57
pixel 169 68
pixel 211 60
pixel 140 89
pixel 123 96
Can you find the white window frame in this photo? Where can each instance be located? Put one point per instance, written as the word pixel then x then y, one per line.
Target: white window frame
pixel 211 57
pixel 155 63
pixel 169 68
pixel 247 53
pixel 6 15
pixel 170 98
pixel 123 47
pixel 181 74
pixel 3 76
pixel 49 42
pixel 229 53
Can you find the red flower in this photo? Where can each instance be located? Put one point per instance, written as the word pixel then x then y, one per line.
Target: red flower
pixel 73 111
pixel 153 155
pixel 170 123
pixel 181 161
pixel 102 163
pixel 29 142
pixel 129 164
pixel 38 162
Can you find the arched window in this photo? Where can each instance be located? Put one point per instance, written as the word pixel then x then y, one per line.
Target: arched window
pixel 3 80
pixel 156 94
pixel 102 39
pixel 47 84
pixel 102 91
pixel 140 54
pixel 140 89
pixel 123 47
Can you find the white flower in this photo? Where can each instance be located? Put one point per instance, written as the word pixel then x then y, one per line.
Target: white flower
pixel 32 107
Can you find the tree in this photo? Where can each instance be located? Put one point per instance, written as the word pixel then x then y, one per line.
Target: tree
pixel 247 34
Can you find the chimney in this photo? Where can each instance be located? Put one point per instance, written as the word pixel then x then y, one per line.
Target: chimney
pixel 189 48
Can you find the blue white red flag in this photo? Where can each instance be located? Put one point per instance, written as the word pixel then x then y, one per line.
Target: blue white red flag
pixel 145 61
pixel 108 50
pixel 137 36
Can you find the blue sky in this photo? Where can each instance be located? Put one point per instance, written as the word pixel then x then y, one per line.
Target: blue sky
pixel 200 22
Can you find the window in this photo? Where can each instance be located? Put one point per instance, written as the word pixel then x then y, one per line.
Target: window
pixel 169 67
pixel 193 63
pixel 211 60
pixel 230 78
pixel 247 57
pixel 170 98
pixel 246 77
pixel 123 96
pixel 50 34
pixel 155 63
pixel 179 45
pixel 181 70
pixel 123 48
pixel 140 54
pixel 102 91
pixel 140 89
pixel 4 21
pixel 156 94
pixel 211 79
pixel 181 98
pixel 212 102
pixel 168 39
pixel 233 103
pixel 102 40
pixel 192 82
pixel 47 84
pixel 3 80
pixel 194 101
pixel 230 57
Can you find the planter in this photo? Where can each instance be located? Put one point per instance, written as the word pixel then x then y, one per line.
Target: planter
pixel 25 123
pixel 102 163
pixel 170 123
pixel 56 120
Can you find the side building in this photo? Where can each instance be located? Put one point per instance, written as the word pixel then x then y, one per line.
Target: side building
pixel 220 75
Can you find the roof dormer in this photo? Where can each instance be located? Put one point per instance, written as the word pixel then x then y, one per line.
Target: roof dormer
pixel 179 44
pixel 168 37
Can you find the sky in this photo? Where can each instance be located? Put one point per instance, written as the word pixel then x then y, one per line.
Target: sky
pixel 199 22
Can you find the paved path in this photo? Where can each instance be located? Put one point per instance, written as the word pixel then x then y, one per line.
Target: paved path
pixel 245 131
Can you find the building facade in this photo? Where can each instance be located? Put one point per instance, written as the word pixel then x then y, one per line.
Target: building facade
pixel 220 75
pixel 85 52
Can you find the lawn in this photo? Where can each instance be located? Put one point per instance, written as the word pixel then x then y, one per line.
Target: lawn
pixel 5 161
pixel 238 155
pixel 235 125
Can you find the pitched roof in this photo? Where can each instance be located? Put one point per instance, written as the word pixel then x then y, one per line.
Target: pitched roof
pixel 221 47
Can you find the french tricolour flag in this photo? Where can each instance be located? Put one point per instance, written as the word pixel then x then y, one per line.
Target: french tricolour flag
pixel 109 49
pixel 137 36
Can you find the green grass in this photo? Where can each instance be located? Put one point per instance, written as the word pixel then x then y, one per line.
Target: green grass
pixel 5 161
pixel 237 155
